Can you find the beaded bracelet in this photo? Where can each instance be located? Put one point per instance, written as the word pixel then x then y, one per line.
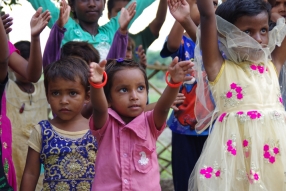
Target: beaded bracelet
pixel 95 85
pixel 171 84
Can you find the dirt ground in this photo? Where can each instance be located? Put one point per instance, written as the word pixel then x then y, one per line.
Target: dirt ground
pixel 167 185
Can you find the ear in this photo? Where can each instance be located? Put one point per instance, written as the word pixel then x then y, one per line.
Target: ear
pixel 87 97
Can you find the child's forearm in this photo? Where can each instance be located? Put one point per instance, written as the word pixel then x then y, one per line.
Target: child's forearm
pixel 29 182
pixel 175 37
pixel 4 53
pixel 156 24
pixel 190 28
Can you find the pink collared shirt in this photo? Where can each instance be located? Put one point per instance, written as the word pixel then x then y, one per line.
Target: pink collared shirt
pixel 127 158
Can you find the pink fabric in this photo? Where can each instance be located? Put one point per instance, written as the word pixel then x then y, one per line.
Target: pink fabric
pixel 127 158
pixel 6 139
pixel 12 48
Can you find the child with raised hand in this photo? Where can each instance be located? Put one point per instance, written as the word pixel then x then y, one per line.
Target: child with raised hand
pixel 87 13
pixel 127 134
pixel 246 149
pixel 30 70
pixel 64 144
pixel 187 144
pixel 117 50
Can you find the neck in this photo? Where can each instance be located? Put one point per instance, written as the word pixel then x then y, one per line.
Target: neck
pixel 90 28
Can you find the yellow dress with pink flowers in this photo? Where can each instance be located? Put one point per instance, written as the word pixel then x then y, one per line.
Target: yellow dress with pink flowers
pixel 247 146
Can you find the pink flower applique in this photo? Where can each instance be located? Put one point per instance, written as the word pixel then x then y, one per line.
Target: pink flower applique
pixel 254 114
pixel 231 146
pixel 240 113
pixel 221 117
pixel 246 147
pixel 234 95
pixel 258 69
pixel 270 152
pixel 210 171
pixel 280 100
pixel 254 176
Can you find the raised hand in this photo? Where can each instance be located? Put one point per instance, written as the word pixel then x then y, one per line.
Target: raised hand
pixel 64 14
pixel 180 9
pixel 126 16
pixel 96 71
pixel 179 99
pixel 39 21
pixel 142 56
pixel 178 70
pixel 7 22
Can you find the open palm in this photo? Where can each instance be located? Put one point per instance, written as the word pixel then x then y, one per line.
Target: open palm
pixel 126 15
pixel 39 21
pixel 180 9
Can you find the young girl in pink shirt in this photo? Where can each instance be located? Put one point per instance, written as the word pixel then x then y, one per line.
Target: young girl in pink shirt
pixel 126 134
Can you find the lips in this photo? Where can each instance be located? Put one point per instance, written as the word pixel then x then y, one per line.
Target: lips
pixel 64 110
pixel 134 106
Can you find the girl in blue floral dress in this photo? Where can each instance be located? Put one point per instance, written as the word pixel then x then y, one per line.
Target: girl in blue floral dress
pixel 64 145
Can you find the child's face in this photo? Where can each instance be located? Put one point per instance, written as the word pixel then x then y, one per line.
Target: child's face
pixel 118 5
pixel 195 14
pixel 88 11
pixel 279 7
pixel 129 53
pixel 128 93
pixel 255 26
pixel 66 98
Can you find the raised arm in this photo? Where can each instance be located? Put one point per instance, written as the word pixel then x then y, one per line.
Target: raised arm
pixel 212 58
pixel 120 40
pixel 4 53
pixel 32 70
pixel 98 99
pixel 178 71
pixel 53 46
pixel 156 24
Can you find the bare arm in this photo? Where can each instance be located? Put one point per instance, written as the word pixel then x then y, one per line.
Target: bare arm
pixel 98 99
pixel 178 71
pixel 156 24
pixel 32 70
pixel 212 58
pixel 175 37
pixel 32 171
pixel 4 53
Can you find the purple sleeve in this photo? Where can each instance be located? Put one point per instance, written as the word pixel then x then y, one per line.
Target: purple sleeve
pixel 53 46
pixel 118 47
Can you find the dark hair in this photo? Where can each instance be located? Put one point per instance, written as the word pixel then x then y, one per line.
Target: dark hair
pixel 231 10
pixel 114 66
pixel 83 50
pixel 67 68
pixel 24 48
pixel 110 4
pixel 71 4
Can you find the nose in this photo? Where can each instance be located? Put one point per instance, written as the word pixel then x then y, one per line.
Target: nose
pixel 257 37
pixel 64 100
pixel 133 95
pixel 91 3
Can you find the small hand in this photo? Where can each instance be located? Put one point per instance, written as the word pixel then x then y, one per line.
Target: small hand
pixel 178 70
pixel 126 15
pixel 180 9
pixel 142 56
pixel 39 21
pixel 96 71
pixel 7 22
pixel 64 14
pixel 179 99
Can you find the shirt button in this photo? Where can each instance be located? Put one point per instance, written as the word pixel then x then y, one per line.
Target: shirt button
pixel 125 181
pixel 125 155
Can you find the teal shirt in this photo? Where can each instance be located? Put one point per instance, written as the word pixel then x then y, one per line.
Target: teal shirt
pixel 103 40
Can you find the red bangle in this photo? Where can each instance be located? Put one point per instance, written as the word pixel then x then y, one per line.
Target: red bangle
pixel 170 84
pixel 99 85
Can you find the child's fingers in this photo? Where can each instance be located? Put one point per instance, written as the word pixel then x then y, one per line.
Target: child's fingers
pixel 188 78
pixel 175 108
pixel 102 63
pixel 174 62
pixel 132 14
pixel 131 7
pixel 38 12
pixel 47 17
pixel 45 14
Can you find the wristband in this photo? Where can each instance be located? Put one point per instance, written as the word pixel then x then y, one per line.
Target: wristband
pixel 171 84
pixel 99 85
